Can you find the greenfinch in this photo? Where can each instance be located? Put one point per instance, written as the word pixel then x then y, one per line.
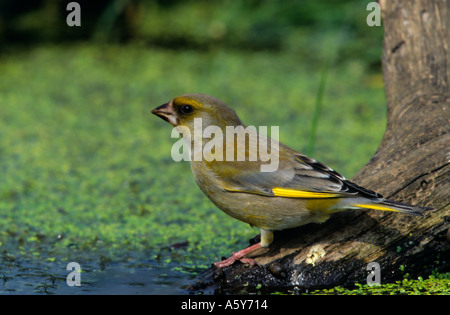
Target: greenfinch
pixel 296 191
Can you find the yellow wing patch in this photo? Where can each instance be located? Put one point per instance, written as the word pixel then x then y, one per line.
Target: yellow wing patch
pixel 294 193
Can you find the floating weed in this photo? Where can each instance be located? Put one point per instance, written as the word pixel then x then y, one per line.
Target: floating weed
pixel 438 284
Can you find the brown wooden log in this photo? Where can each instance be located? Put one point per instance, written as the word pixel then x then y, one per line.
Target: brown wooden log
pixel 412 164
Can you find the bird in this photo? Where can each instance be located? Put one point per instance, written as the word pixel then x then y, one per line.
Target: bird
pixel 297 191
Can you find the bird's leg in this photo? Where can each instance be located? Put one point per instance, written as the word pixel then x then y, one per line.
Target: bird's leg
pixel 266 239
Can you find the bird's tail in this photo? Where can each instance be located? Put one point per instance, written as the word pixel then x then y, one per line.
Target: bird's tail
pixel 389 205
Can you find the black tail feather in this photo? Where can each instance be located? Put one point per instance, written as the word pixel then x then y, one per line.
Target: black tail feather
pixel 406 208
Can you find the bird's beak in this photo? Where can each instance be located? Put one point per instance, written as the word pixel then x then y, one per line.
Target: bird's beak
pixel 166 112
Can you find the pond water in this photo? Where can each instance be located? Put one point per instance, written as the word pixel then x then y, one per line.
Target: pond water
pixel 34 277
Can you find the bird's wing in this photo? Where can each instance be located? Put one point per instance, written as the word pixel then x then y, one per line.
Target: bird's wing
pixel 298 176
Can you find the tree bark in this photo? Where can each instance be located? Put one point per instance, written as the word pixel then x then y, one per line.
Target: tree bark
pixel 412 164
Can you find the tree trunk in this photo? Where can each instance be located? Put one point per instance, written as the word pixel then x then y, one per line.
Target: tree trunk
pixel 411 165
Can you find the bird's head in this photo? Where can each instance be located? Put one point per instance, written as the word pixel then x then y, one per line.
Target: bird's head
pixel 182 110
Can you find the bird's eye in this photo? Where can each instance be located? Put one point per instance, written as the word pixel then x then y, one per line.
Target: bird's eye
pixel 187 109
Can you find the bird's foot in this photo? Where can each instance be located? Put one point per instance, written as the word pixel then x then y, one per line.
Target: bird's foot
pixel 239 256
